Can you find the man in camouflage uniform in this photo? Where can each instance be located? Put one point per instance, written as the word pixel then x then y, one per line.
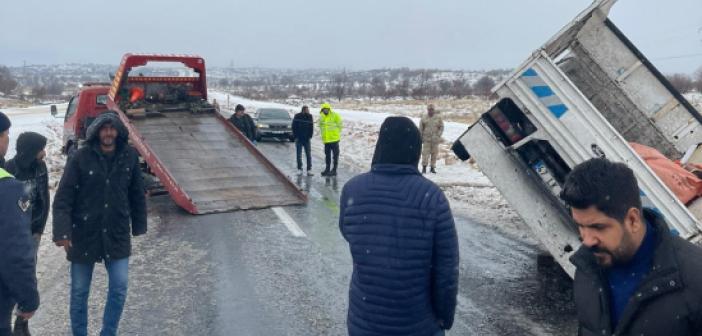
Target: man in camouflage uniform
pixel 431 127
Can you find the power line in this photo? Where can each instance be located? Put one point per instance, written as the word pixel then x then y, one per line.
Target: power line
pixel 677 57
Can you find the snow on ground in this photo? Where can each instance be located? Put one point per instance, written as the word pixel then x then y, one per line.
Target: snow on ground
pixel 695 98
pixel 471 193
pixel 361 133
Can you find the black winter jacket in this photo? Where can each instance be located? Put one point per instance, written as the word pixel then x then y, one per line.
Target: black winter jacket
pixel 35 177
pixel 97 201
pixel 18 282
pixel 667 302
pixel 405 253
pixel 303 126
pixel 245 124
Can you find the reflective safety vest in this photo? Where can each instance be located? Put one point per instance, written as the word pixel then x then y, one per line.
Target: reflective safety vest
pixel 4 174
pixel 330 127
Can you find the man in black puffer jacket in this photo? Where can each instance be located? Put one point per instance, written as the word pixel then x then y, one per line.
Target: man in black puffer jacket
pixel 633 276
pixel 403 242
pixel 100 201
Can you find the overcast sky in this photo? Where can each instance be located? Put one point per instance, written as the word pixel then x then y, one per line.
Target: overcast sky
pixel 352 34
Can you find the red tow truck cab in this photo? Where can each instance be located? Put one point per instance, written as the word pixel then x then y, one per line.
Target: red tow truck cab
pixel 88 103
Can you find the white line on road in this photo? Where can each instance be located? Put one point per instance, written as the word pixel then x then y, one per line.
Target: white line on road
pixel 289 222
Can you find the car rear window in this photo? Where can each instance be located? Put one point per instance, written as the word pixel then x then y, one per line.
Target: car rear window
pixel 273 114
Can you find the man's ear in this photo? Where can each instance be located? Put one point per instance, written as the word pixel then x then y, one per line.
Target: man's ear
pixel 634 221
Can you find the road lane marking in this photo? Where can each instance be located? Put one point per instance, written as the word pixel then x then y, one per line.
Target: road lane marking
pixel 289 222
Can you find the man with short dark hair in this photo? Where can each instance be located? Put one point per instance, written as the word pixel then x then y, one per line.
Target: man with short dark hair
pixel 243 122
pixel 18 283
pixel 303 128
pixel 633 276
pixel 99 205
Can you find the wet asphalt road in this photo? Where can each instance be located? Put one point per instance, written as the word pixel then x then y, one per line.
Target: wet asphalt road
pixel 244 273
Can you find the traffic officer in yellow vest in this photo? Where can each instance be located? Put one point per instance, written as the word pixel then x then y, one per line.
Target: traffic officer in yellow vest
pixel 431 127
pixel 330 129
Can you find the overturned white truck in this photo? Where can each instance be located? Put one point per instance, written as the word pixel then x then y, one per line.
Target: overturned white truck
pixel 586 93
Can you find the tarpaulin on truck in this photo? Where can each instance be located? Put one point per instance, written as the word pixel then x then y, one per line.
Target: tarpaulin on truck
pixel 684 184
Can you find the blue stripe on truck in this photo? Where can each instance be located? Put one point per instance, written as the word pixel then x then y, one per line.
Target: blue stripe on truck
pixel 544 92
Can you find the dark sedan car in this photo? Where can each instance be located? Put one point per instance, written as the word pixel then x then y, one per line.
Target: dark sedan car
pixel 273 123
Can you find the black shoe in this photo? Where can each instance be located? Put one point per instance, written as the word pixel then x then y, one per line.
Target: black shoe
pixel 433 171
pixel 21 327
pixel 424 169
pixel 325 173
pixel 332 173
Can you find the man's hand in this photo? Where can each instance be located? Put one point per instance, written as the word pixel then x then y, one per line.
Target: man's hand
pixel 25 316
pixel 65 243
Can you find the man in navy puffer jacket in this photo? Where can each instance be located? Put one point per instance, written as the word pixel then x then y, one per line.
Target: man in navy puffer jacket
pixel 403 242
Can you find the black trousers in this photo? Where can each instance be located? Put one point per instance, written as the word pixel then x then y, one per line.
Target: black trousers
pixel 299 145
pixel 329 150
pixel 6 310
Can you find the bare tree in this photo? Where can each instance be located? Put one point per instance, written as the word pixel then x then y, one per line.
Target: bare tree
pixel 403 89
pixel 445 87
pixel 698 80
pixel 339 85
pixel 421 91
pixel 484 86
pixel 460 88
pixel 54 88
pixel 39 91
pixel 681 82
pixel 378 87
pixel 7 81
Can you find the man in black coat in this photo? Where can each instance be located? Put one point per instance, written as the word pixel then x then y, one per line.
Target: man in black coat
pixel 403 242
pixel 243 122
pixel 28 166
pixel 303 128
pixel 633 276
pixel 18 283
pixel 99 202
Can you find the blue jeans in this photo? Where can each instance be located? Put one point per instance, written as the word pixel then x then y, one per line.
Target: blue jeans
pixel 81 277
pixel 299 145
